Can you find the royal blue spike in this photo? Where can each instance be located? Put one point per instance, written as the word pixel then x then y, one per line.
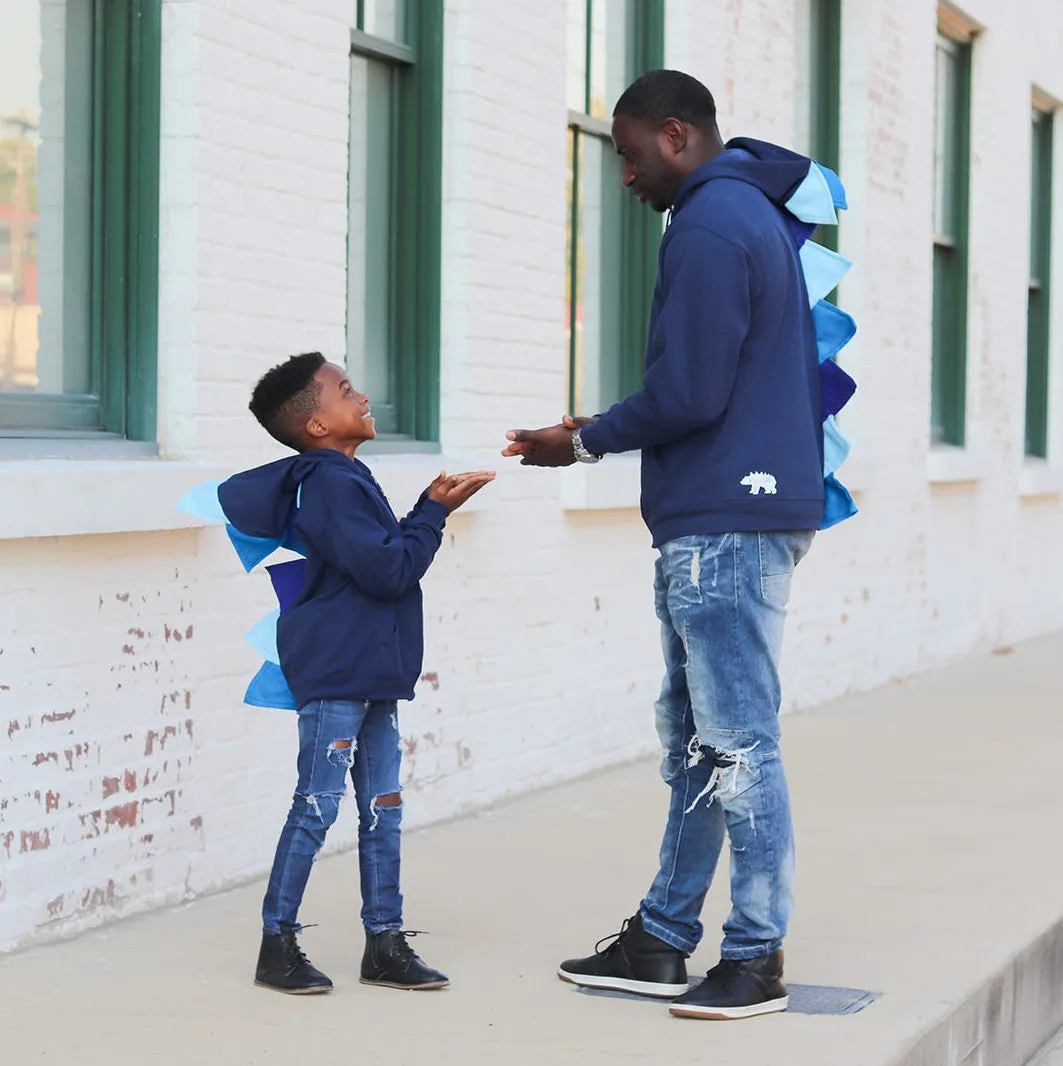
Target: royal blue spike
pixel 836 388
pixel 800 230
pixel 262 636
pixel 835 447
pixel 837 189
pixel 288 580
pixel 202 502
pixel 837 503
pixel 812 200
pixel 834 329
pixel 251 550
pixel 823 269
pixel 269 689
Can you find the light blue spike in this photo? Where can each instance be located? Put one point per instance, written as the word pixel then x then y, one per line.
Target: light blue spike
pixel 837 189
pixel 835 446
pixel 263 637
pixel 834 329
pixel 252 550
pixel 269 689
pixel 202 502
pixel 823 270
pixel 812 201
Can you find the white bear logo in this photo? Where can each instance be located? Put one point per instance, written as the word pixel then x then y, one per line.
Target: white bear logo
pixel 759 482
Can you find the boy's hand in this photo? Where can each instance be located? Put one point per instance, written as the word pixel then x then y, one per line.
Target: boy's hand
pixel 453 491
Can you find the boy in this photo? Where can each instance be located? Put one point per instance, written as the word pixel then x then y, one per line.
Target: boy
pixel 350 646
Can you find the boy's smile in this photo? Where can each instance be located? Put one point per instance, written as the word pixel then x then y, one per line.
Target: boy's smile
pixel 344 417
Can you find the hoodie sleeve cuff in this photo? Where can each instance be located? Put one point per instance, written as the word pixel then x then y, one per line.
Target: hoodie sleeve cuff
pixel 433 512
pixel 595 438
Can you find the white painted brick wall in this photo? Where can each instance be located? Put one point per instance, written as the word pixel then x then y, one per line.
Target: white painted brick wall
pixel 132 776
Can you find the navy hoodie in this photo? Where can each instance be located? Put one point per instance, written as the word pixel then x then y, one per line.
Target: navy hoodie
pixel 728 418
pixel 355 632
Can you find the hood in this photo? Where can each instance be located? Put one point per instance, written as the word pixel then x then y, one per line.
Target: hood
pixel 262 502
pixel 787 179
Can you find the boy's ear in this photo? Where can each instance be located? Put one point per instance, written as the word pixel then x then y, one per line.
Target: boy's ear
pixel 316 428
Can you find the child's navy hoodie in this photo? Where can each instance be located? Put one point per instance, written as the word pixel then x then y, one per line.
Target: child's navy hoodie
pixel 729 418
pixel 356 630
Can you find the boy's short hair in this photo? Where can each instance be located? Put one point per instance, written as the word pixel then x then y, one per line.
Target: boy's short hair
pixel 287 396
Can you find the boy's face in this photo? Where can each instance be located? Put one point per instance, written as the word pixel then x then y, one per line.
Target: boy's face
pixel 343 418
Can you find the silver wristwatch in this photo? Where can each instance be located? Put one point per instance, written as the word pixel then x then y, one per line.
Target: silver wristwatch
pixel 581 453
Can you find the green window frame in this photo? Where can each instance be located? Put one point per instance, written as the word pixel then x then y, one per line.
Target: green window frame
pixel 116 45
pixel 628 233
pixel 1039 295
pixel 825 95
pixel 952 151
pixel 397 278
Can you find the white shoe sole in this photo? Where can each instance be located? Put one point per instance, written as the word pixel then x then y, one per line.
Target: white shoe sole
pixel 727 1014
pixel 623 984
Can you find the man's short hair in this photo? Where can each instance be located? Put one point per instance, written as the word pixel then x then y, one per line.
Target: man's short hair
pixel 664 94
pixel 287 396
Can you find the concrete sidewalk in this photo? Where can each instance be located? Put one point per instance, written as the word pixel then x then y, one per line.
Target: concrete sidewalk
pixel 930 870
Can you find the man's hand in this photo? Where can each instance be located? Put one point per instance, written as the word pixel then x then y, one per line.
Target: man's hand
pixel 453 491
pixel 544 447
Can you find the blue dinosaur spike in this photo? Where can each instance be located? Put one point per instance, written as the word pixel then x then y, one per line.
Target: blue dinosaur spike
pixel 269 689
pixel 801 231
pixel 823 270
pixel 202 502
pixel 263 637
pixel 835 446
pixel 251 550
pixel 834 329
pixel 837 189
pixel 837 503
pixel 836 387
pixel 288 580
pixel 813 200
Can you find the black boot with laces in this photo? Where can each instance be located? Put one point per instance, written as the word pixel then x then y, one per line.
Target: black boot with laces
pixel 737 988
pixel 635 961
pixel 390 961
pixel 283 967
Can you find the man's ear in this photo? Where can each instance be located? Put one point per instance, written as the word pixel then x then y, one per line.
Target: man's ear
pixel 316 428
pixel 675 136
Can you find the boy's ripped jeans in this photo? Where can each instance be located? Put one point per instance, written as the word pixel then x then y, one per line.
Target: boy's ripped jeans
pixel 337 737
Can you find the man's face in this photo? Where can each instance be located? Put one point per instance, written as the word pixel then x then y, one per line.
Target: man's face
pixel 648 166
pixel 344 412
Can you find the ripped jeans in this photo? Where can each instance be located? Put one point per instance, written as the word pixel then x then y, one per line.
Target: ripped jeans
pixel 721 601
pixel 372 757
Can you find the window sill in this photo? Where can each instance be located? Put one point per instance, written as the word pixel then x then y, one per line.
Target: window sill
pixel 612 484
pixel 78 497
pixel 404 476
pixel 953 466
pixel 1039 478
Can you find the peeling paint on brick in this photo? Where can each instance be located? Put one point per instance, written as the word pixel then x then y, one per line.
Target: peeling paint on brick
pixel 35 840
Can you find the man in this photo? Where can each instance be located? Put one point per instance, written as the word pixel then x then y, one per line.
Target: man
pixel 729 423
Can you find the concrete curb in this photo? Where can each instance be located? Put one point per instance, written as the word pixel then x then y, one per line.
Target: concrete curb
pixel 1007 1020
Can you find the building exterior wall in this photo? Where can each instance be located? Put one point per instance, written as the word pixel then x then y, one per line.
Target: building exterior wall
pixel 132 776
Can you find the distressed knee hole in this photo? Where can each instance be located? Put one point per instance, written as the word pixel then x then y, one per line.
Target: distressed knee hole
pixel 392 799
pixel 341 752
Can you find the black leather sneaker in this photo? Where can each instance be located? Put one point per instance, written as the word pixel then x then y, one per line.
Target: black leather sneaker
pixel 736 988
pixel 283 967
pixel 635 961
pixel 390 961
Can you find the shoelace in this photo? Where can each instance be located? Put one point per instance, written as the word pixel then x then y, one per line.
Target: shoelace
pixel 405 952
pixel 616 939
pixel 293 953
